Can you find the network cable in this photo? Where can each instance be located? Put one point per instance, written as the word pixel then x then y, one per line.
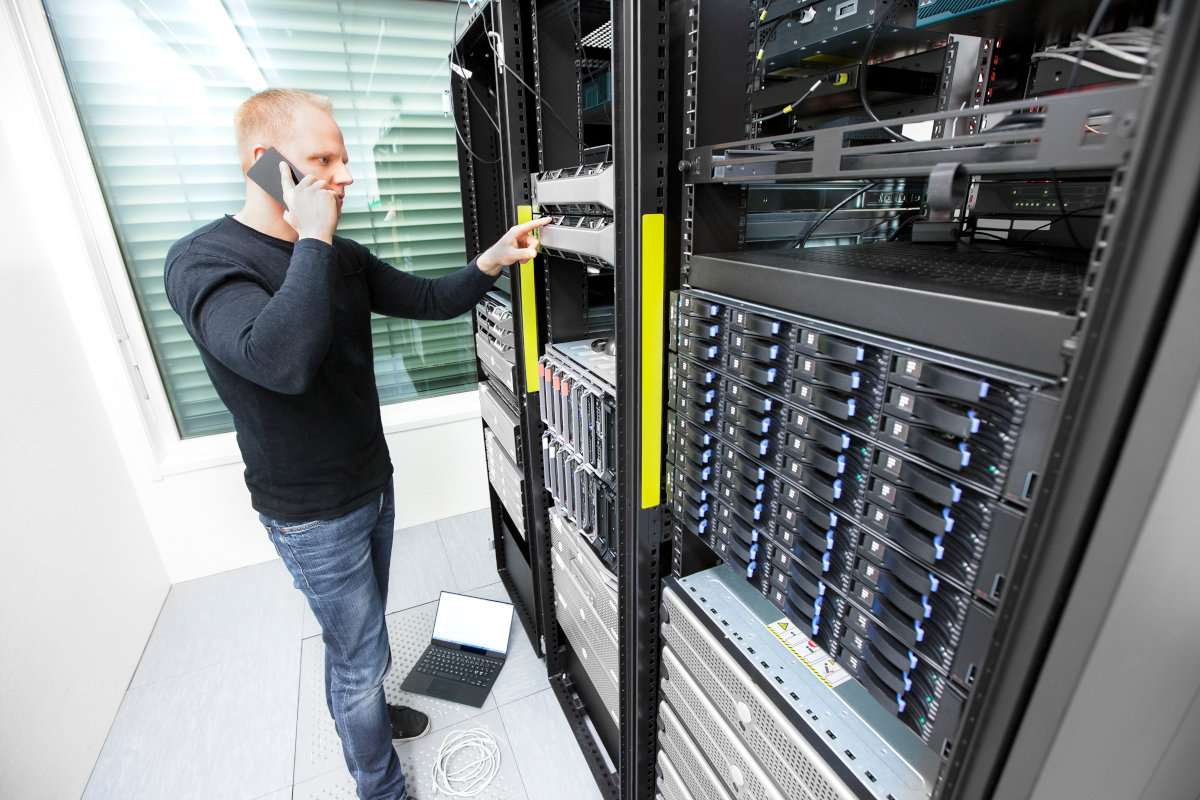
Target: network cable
pixel 481 754
pixel 792 104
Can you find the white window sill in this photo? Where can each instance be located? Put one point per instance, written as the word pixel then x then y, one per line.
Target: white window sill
pixel 218 450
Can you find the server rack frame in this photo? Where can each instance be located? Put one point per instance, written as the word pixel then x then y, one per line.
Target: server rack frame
pixel 640 110
pixel 492 195
pixel 640 138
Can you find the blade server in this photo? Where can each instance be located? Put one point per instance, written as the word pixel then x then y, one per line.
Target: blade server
pixel 578 406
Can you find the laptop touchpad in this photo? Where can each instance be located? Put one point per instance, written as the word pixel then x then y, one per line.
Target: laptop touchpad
pixel 447 690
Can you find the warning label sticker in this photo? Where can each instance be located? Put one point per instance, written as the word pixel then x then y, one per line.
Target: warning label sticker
pixel 811 654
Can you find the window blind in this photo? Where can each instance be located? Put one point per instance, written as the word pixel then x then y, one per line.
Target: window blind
pixel 156 83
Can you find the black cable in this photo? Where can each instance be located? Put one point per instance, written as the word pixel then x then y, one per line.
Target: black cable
pixel 535 92
pixel 862 73
pixel 453 118
pixel 1087 39
pixel 471 152
pixel 1062 208
pixel 905 224
pixel 804 239
pixel 1009 246
pixel 482 107
pixel 1056 219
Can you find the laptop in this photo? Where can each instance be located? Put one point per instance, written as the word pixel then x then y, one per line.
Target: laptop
pixel 470 643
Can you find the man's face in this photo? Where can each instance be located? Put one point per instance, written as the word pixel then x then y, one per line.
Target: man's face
pixel 316 148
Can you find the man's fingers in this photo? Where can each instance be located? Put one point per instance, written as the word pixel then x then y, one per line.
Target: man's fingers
pixel 285 178
pixel 526 255
pixel 526 227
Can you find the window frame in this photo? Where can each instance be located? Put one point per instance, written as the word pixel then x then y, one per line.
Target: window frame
pixel 136 398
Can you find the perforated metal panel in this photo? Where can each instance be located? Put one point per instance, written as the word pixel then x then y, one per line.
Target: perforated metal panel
pixel 788 758
pixel 594 643
pixel 726 752
pixel 670 784
pixel 695 772
pixel 598 584
pixel 1017 273
pixel 584 615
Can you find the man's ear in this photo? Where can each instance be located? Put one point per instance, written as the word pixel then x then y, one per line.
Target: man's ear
pixel 258 152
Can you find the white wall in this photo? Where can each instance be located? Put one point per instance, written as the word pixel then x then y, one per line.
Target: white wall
pixel 203 523
pixel 81 583
pixel 191 492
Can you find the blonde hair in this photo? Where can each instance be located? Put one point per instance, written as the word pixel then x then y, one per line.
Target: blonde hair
pixel 266 117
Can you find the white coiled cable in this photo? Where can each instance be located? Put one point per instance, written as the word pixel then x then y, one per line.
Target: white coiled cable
pixel 480 767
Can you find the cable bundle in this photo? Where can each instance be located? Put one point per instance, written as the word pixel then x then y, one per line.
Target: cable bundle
pixel 472 777
pixel 1132 45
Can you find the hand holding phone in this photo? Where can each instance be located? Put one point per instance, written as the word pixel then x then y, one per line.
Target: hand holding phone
pixel 265 172
pixel 312 207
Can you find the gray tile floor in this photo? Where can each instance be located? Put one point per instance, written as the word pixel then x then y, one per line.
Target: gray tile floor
pixel 228 700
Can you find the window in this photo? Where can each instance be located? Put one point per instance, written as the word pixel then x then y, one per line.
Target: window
pixel 156 82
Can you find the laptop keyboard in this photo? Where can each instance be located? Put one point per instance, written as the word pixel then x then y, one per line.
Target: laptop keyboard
pixel 459 666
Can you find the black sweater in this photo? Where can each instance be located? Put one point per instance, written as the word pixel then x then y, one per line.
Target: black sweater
pixel 285 332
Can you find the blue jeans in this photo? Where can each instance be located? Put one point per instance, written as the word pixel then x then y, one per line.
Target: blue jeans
pixel 341 565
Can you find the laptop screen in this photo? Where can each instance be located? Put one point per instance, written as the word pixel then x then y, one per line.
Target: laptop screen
pixel 473 622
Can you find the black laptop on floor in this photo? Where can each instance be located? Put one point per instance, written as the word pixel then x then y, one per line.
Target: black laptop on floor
pixel 470 643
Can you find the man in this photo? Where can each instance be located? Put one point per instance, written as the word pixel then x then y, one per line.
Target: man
pixel 280 310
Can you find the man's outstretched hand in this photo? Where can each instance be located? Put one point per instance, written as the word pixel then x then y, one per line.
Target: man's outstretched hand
pixel 519 244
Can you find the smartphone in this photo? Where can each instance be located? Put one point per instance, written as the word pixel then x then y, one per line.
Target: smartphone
pixel 265 173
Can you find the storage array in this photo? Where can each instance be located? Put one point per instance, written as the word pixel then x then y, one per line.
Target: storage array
pixel 859 484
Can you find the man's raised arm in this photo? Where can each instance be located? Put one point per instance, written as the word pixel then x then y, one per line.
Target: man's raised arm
pixel 401 294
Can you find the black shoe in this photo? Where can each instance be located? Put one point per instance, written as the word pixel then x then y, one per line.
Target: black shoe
pixel 408 724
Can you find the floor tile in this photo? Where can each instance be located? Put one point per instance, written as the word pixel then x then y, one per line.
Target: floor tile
pixel 417 759
pixel 420 569
pixel 221 617
pixel 311 626
pixel 468 540
pixel 547 753
pixel 282 794
pixel 494 591
pixel 225 732
pixel 524 673
pixel 318 749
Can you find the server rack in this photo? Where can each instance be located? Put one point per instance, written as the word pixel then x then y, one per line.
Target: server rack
pixel 859 646
pixel 492 113
pixel 580 130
